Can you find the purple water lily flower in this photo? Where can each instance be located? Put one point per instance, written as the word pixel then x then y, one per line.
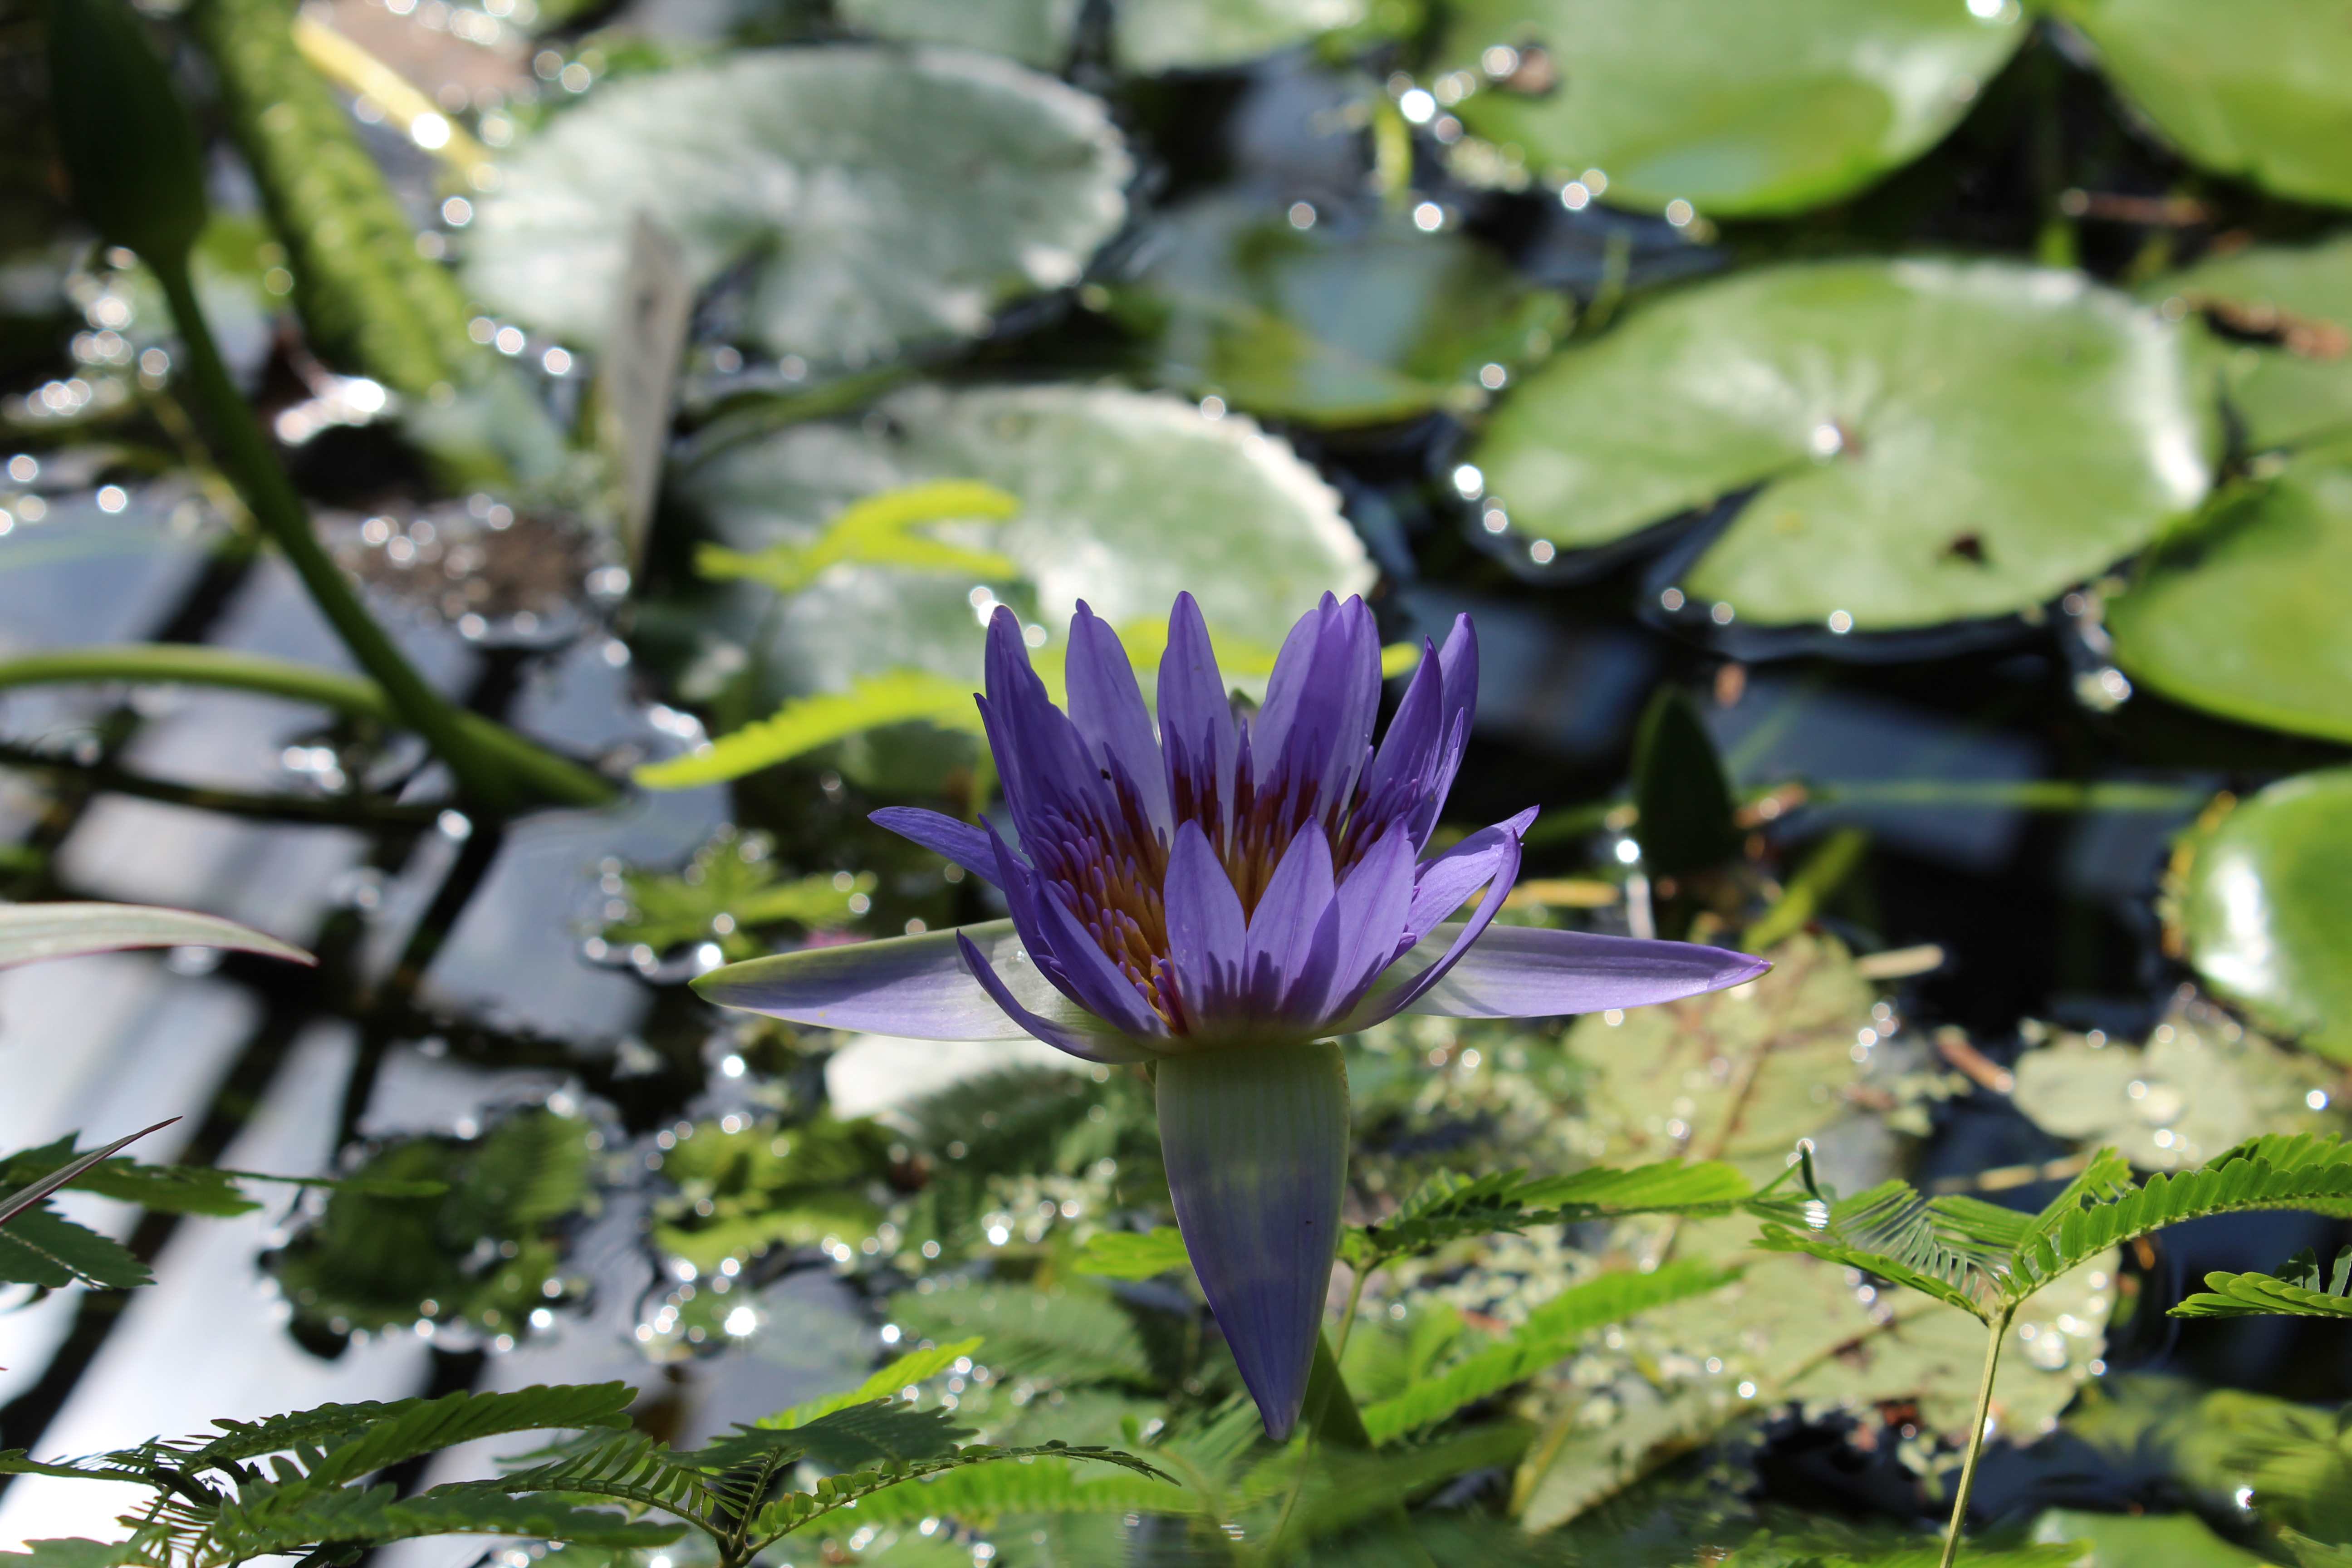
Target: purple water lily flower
pixel 1222 900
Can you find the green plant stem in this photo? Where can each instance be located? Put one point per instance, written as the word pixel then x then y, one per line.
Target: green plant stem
pixel 1999 1331
pixel 547 775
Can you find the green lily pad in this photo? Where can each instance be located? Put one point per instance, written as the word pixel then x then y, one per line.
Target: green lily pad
pixel 2264 907
pixel 1329 325
pixel 1743 110
pixel 2297 384
pixel 2243 614
pixel 1932 440
pixel 1126 499
pixel 2259 89
pixel 2129 1539
pixel 1035 32
pixel 2200 1084
pixel 882 197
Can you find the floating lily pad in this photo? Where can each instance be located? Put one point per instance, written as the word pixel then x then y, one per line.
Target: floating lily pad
pixel 1745 110
pixel 1126 499
pixel 2200 1084
pixel 2243 614
pixel 2284 321
pixel 1932 441
pixel 1035 32
pixel 2258 89
pixel 2264 907
pixel 878 197
pixel 1341 323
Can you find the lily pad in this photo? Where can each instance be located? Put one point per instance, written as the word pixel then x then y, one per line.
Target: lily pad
pixel 1035 32
pixel 1147 35
pixel 878 197
pixel 2264 907
pixel 2285 316
pixel 2259 89
pixel 2202 1083
pixel 1744 111
pixel 1930 441
pixel 1126 499
pixel 1343 322
pixel 2243 614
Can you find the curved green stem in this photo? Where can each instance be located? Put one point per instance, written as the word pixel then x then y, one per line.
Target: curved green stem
pixel 1999 1331
pixel 487 772
pixel 517 758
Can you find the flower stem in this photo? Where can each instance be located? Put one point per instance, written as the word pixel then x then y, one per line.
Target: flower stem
pixel 1998 1331
pixel 493 782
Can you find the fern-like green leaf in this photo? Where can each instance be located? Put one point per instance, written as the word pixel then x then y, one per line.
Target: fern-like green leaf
pixel 267 1519
pixel 1955 1251
pixel 347 1441
pixel 1449 1208
pixel 795 1509
pixel 2301 1288
pixel 1070 1336
pixel 74 1553
pixel 914 1367
pixel 40 1247
pixel 1133 1254
pixel 855 1437
pixel 1551 1331
pixel 981 1494
pixel 166 1189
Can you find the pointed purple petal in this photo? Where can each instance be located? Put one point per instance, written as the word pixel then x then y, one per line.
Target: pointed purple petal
pixel 1286 686
pixel 1313 734
pixel 1502 871
pixel 1207 933
pixel 1398 782
pixel 1038 752
pixel 1079 1034
pixel 1373 903
pixel 1444 884
pixel 914 987
pixel 1107 706
pixel 962 842
pixel 1282 928
pixel 1459 659
pixel 1518 972
pixel 1066 952
pixel 1256 1148
pixel 1196 721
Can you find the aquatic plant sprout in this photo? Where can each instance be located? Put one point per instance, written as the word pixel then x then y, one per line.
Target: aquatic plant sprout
pixel 1220 899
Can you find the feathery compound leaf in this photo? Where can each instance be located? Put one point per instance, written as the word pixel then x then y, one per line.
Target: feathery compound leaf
pixel 793 1510
pixel 73 1554
pixel 1955 1250
pixel 268 1518
pixel 2301 1288
pixel 1071 1335
pixel 916 1366
pixel 1551 1331
pixel 857 1436
pixel 1448 1207
pixel 355 1440
pixel 40 1247
pixel 1133 1254
pixel 980 1493
pixel 166 1189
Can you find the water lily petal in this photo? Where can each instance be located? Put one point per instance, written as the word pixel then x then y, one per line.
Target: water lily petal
pixel 1441 885
pixel 1208 936
pixel 1315 733
pixel 962 842
pixel 1282 928
pixel 916 987
pixel 1390 997
pixel 1371 904
pixel 1459 659
pixel 1256 1148
pixel 1397 784
pixel 1196 720
pixel 1518 972
pixel 1066 952
pixel 1077 1032
pixel 1039 754
pixel 1107 706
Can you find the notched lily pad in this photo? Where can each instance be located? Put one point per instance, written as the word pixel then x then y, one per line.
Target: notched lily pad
pixel 2242 614
pixel 1344 322
pixel 1744 111
pixel 873 197
pixel 1930 441
pixel 2261 90
pixel 2262 906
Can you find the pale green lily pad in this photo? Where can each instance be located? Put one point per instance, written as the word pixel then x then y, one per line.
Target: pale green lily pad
pixel 884 197
pixel 1126 499
pixel 2301 296
pixel 2264 907
pixel 1933 441
pixel 1153 36
pixel 2136 1540
pixel 2202 1083
pixel 1147 35
pixel 1331 325
pixel 2258 89
pixel 2244 613
pixel 1035 32
pixel 1742 1075
pixel 1740 110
